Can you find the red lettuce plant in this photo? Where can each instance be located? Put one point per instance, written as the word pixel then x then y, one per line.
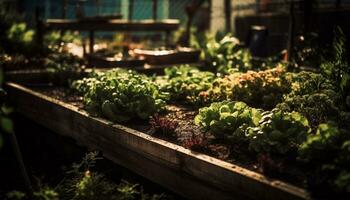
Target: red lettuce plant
pixel 163 127
pixel 196 142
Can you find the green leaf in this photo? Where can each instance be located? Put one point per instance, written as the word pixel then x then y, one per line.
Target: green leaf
pixel 6 124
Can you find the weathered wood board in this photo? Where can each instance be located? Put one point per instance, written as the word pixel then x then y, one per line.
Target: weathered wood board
pixel 114 25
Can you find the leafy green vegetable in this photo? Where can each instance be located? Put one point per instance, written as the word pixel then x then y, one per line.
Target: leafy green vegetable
pixel 315 97
pixel 184 83
pixel 20 33
pixel 20 40
pixel 342 182
pixel 225 54
pixel 278 133
pixel 63 62
pixel 323 146
pixel 55 39
pixel 121 95
pixel 274 132
pixel 263 89
pixel 337 68
pixel 328 153
pixel 163 127
pixel 228 119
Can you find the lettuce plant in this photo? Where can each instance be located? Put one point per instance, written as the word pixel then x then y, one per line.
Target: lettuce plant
pixel 184 83
pixel 263 89
pixel 328 154
pixel 120 95
pixel 225 55
pixel 228 119
pixel 196 142
pixel 163 127
pixel 278 133
pixel 323 146
pixel 63 62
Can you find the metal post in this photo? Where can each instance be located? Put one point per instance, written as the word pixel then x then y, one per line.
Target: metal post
pixel 39 28
pixel 64 9
pixel 228 15
pixel 291 31
pixel 191 12
pixel 155 9
pixel 91 45
pixel 167 36
pixel 20 161
pixel 131 9
pixel 308 7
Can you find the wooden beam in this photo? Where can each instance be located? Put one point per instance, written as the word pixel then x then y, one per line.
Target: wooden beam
pixel 114 25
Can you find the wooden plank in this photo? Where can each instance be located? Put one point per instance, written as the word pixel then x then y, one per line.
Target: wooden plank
pixel 190 174
pixel 99 61
pixel 42 76
pixel 164 57
pixel 114 25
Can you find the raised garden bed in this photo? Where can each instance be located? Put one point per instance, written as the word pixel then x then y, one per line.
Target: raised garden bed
pixel 188 173
pixel 101 18
pixel 100 61
pixel 43 76
pixel 162 57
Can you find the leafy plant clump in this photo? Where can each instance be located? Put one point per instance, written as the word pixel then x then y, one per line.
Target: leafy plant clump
pixel 278 133
pixel 163 127
pixel 63 62
pixel 228 120
pixel 20 33
pixel 316 97
pixel 263 89
pixel 55 40
pixel 225 54
pixel 20 40
pixel 327 155
pixel 197 142
pixel 184 83
pixel 272 132
pixel 82 183
pixel 337 68
pixel 120 95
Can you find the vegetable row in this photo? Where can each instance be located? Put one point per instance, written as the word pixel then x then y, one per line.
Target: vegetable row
pixel 279 117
